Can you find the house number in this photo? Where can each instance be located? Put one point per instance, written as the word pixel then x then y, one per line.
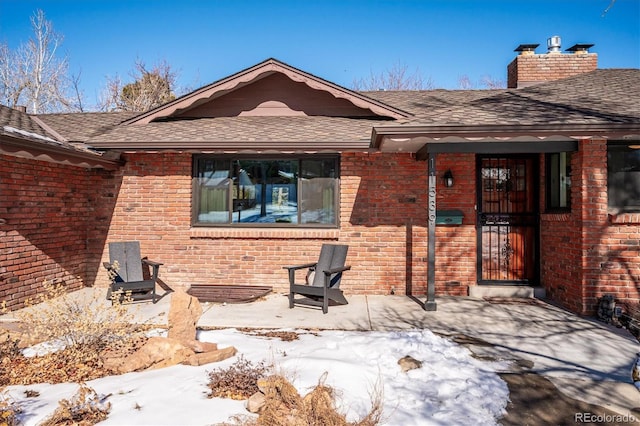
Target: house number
pixel 432 199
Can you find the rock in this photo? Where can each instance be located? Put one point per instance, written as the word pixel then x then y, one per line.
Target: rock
pixel 180 347
pixel 256 402
pixel 208 357
pixel 199 347
pixel 409 363
pixel 184 313
pixel 157 352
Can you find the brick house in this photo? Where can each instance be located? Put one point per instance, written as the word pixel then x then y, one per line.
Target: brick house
pixel 463 192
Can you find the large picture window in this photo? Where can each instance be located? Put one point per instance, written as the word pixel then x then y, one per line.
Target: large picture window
pixel 623 176
pixel 270 191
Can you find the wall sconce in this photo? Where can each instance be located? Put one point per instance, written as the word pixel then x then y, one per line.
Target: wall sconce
pixel 448 178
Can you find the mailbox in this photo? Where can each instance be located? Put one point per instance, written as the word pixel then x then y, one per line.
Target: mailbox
pixel 449 217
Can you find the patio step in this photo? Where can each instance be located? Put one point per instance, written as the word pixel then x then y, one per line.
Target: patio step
pixel 519 291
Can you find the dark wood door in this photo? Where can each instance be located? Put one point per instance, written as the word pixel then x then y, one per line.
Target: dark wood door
pixel 507 219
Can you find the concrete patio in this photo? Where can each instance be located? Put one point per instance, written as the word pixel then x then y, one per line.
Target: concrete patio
pixel 586 359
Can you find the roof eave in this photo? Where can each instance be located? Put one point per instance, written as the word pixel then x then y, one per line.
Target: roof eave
pixel 25 148
pixel 236 146
pixel 609 130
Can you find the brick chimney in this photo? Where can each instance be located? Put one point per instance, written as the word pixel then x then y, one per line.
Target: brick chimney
pixel 529 68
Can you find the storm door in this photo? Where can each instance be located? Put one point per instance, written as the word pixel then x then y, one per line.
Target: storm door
pixel 507 219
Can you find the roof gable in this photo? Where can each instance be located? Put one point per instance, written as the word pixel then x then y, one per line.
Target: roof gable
pixel 271 88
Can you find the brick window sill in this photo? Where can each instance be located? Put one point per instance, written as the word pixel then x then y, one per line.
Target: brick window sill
pixel 264 233
pixel 556 217
pixel 625 218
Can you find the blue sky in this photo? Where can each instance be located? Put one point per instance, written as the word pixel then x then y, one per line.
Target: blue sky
pixel 340 41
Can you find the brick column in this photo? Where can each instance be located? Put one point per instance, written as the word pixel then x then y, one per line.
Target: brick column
pixel 592 206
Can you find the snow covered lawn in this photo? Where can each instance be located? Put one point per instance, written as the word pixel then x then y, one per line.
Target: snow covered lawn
pixel 451 388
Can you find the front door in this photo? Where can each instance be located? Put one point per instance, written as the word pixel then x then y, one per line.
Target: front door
pixel 507 222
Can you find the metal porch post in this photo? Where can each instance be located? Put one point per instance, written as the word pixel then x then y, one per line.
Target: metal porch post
pixel 430 304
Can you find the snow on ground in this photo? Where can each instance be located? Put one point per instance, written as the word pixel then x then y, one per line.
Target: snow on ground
pixel 451 388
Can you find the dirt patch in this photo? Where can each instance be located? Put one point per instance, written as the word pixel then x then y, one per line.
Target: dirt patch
pixel 535 401
pixel 285 336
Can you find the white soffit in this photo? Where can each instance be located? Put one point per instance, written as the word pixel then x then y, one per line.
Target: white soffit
pixel 414 144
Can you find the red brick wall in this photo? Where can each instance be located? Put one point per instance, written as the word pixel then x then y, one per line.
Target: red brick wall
pixel 59 219
pixel 47 228
pixel 154 207
pixel 588 253
pixel 561 245
pixel 383 218
pixel 456 245
pixel 611 247
pixel 530 69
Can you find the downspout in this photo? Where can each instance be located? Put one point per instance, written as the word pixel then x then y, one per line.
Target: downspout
pixel 430 304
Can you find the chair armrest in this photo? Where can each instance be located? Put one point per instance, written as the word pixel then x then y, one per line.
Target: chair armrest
pixel 335 270
pixel 296 267
pixel 151 263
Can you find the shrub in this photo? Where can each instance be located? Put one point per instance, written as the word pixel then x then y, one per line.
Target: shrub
pixel 84 409
pixel 56 316
pixel 238 381
pixel 8 410
pixel 80 329
pixel 9 346
pixel 284 406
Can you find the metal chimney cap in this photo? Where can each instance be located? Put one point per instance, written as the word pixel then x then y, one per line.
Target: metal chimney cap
pixel 526 48
pixel 554 43
pixel 580 48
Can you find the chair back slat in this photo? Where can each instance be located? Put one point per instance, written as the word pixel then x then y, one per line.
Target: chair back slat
pixel 127 253
pixel 331 256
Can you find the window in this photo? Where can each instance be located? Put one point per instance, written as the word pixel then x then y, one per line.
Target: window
pixel 623 177
pixel 282 191
pixel 558 181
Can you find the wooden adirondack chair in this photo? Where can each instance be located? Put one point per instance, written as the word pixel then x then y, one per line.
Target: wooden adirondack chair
pixel 324 285
pixel 128 274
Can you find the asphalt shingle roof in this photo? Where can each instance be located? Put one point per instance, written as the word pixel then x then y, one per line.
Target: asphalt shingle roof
pixel 605 96
pixel 245 129
pixel 79 127
pixel 601 96
pixel 32 138
pixel 19 120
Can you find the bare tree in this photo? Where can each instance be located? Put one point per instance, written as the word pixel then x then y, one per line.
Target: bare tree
pixel 33 75
pixel 11 83
pixel 486 82
pixel 150 88
pixel 489 82
pixel 464 82
pixel 395 78
pixel 77 99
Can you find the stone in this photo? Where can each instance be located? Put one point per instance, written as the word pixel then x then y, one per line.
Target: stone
pixel 157 352
pixel 184 313
pixel 199 347
pixel 207 357
pixel 256 402
pixel 409 363
pixel 180 347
